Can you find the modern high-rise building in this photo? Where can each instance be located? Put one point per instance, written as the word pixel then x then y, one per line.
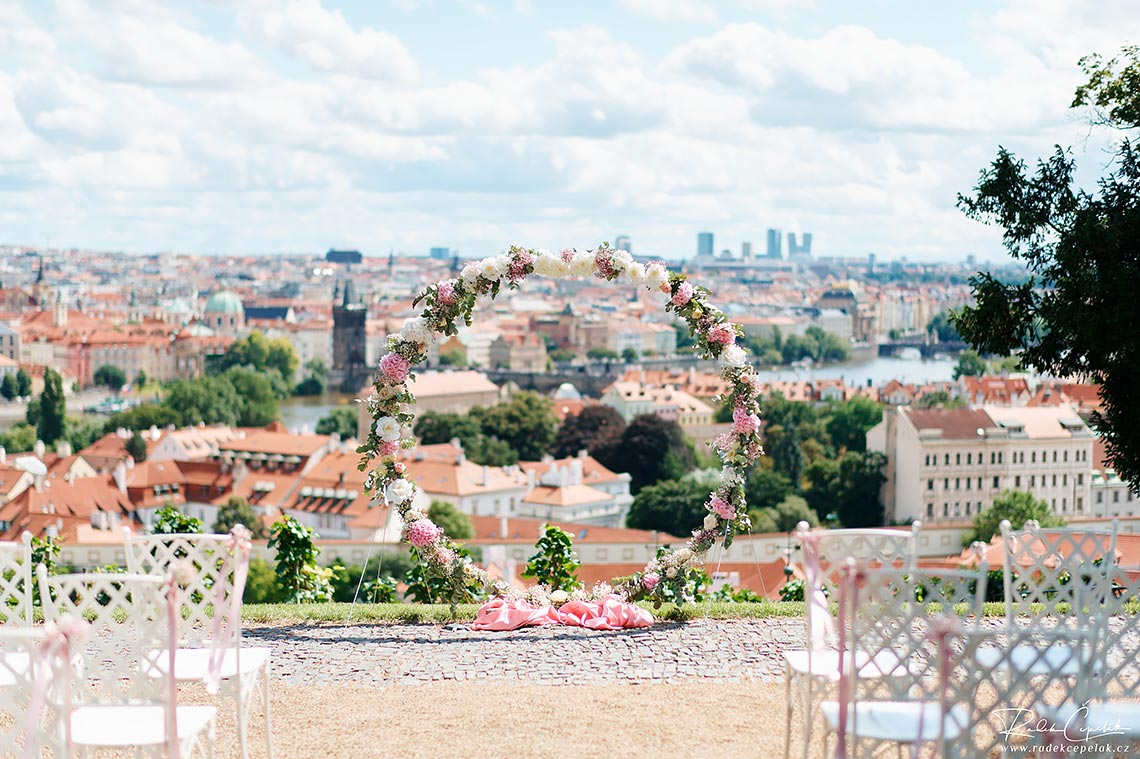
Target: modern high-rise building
pixel 343 256
pixel 622 242
pixel 705 244
pixel 775 240
pixel 439 254
pixel 746 251
pixel 804 248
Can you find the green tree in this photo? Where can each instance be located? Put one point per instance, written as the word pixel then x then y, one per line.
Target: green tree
pixel 136 448
pixel 257 399
pixel 554 563
pixel 453 358
pixel 143 417
pixel 427 588
pixel 673 507
pixel 849 487
pixel 433 427
pixel 209 400
pixel 170 521
pixel 301 579
pixel 970 364
pixel 237 510
pixel 251 351
pixel 19 438
pixel 377 580
pixel 454 522
pixel 525 423
pixel 82 431
pixel 8 386
pixel 316 378
pixel 629 355
pixel 32 412
pixel 650 449
pixel 282 357
pixel 849 421
pixel 53 408
pixel 939 399
pixel 791 511
pixel 141 379
pixel 1018 507
pixel 1079 246
pixel 110 377
pixel 765 488
pixel 261 583
pixel 942 327
pixel 341 420
pixel 602 354
pixel 23 383
pixel 591 428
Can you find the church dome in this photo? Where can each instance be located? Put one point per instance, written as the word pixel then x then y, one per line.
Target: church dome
pixel 567 392
pixel 224 302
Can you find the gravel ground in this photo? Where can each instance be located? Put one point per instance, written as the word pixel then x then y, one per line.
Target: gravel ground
pixel 696 651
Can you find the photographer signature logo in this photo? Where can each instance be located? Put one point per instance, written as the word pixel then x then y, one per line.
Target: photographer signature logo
pixel 1023 723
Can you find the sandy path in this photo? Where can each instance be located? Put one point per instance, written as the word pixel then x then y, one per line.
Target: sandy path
pixel 520 721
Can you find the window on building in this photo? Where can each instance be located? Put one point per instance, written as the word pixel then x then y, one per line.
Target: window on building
pixel 958 459
pixel 999 456
pixel 930 510
pixel 930 484
pixel 1033 457
pixel 1017 480
pixel 969 459
pixel 1054 480
pixel 1065 480
pixel 957 510
pixel 945 483
pixel 968 481
pixel 957 483
pixel 995 483
pixel 945 509
pixel 1032 480
pixel 1100 497
pixel 1053 504
pixel 1064 504
pixel 1080 504
pixel 1066 456
pixel 1116 496
pixel 1080 479
pixel 947 459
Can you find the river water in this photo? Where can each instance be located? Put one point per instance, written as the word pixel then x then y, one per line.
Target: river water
pixel 306 412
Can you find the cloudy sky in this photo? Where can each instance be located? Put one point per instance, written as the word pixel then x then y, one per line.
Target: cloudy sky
pixel 248 126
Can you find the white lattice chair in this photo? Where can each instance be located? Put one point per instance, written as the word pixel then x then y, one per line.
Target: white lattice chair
pixel 16 582
pixel 22 667
pixel 119 697
pixel 1054 579
pixel 896 613
pixel 813 670
pixel 217 563
pixel 1113 695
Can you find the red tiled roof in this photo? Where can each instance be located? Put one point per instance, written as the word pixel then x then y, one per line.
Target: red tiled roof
pixel 956 424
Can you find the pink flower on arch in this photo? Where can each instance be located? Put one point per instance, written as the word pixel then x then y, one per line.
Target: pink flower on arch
pixel 394 367
pixel 567 255
pixel 723 334
pixel 387 448
pixel 517 268
pixel 722 508
pixel 445 292
pixel 683 295
pixel 650 580
pixel 423 532
pixel 744 423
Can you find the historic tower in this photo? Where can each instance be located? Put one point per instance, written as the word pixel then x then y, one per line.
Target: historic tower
pixel 349 370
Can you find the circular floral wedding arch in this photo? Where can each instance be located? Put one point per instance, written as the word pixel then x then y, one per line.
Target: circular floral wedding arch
pixel 450 301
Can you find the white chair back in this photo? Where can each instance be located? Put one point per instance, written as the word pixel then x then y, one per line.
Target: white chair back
pixel 23 666
pixel 129 624
pixel 1057 576
pixel 214 568
pixel 826 551
pixel 16 582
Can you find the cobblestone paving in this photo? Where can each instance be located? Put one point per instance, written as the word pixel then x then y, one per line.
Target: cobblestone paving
pixel 385 654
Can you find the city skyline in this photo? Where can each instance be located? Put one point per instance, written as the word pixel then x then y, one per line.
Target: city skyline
pixel 256 128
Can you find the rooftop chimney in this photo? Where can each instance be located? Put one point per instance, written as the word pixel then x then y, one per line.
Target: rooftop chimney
pixel 39 449
pixel 486 475
pixel 63 448
pixel 3 455
pixel 120 476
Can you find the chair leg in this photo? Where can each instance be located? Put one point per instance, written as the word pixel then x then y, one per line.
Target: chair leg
pixel 788 721
pixel 265 710
pixel 241 714
pixel 809 713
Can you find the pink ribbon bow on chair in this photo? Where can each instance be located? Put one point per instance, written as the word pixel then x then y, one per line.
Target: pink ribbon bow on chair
pixel 239 547
pixel 59 637
pixel 852 575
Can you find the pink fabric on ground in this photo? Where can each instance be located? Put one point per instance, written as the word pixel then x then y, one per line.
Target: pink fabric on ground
pixel 611 613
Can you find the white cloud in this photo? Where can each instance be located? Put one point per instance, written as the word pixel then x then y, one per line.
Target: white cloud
pixel 325 40
pixel 688 11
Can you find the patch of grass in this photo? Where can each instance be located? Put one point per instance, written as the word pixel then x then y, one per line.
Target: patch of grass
pixel 344 612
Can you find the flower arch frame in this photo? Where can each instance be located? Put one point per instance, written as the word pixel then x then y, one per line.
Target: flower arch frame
pixel 451 301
